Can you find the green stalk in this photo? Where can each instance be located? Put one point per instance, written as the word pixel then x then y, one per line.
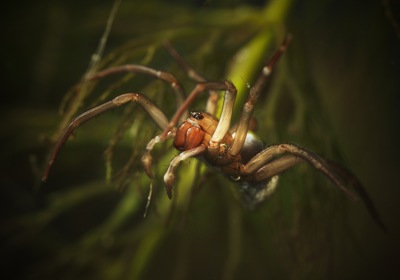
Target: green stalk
pixel 249 59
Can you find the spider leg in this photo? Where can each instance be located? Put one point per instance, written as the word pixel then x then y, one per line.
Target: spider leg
pixel 156 114
pixel 255 90
pixel 134 68
pixel 169 176
pixel 276 167
pixel 147 158
pixel 191 72
pixel 279 165
pixel 212 100
pixel 267 156
pixel 352 180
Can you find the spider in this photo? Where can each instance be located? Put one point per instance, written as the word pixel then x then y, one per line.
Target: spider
pixel 238 153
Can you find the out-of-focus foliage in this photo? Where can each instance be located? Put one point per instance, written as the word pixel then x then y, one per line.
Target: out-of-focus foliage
pixel 334 92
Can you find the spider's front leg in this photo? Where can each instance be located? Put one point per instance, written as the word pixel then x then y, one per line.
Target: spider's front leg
pixel 169 176
pixel 141 69
pixel 212 100
pixel 156 114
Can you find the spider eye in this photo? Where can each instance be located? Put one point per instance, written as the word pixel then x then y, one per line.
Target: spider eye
pixel 197 115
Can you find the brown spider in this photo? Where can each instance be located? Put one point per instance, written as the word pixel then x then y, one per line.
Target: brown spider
pixel 239 154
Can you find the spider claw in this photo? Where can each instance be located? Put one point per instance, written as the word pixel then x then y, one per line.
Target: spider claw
pixel 169 179
pixel 147 162
pixel 168 189
pixel 169 193
pixel 148 171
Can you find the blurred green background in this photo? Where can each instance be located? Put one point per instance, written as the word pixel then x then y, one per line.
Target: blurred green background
pixel 336 92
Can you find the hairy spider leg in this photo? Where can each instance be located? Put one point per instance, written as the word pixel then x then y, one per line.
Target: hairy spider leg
pixel 266 164
pixel 141 69
pixel 254 93
pixel 156 114
pixel 169 176
pixel 212 100
pixel 352 180
pixel 264 160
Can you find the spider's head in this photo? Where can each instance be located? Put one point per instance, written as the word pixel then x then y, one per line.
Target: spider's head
pixel 197 115
pixel 206 121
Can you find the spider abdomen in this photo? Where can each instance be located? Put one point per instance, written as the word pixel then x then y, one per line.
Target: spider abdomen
pixel 252 146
